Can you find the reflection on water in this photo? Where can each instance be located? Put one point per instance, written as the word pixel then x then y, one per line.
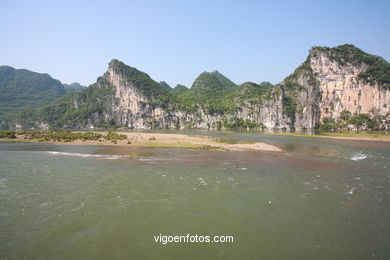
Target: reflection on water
pixel 320 199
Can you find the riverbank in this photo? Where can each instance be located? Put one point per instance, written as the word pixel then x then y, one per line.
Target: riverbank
pixel 364 136
pixel 138 140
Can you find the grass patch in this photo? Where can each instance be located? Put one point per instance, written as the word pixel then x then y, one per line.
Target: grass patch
pixel 141 154
pixel 176 145
pixel 224 140
pixel 64 136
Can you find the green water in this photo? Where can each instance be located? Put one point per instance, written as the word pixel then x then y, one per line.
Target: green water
pixel 311 202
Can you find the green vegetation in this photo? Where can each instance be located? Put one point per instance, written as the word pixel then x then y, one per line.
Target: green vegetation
pixel 329 124
pixel 236 123
pixel 215 98
pixel 290 89
pixel 346 121
pixel 177 145
pixel 289 106
pixel 8 134
pixel 63 136
pixel 25 90
pixel 290 83
pixel 73 87
pixel 225 140
pixel 165 85
pixel 78 108
pixel 36 100
pixel 208 89
pixel 179 89
pixel 147 86
pixel 114 136
pixel 252 91
pixel 227 83
pixel 377 72
pixel 74 109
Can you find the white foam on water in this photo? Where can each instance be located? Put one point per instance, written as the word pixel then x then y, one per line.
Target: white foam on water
pixel 147 159
pixel 358 156
pixel 352 190
pixel 87 155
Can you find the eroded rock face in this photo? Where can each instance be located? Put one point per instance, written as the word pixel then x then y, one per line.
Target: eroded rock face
pixel 342 90
pixel 320 88
pixel 128 106
pixel 337 88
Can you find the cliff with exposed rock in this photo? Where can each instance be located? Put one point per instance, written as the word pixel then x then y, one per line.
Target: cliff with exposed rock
pixel 335 88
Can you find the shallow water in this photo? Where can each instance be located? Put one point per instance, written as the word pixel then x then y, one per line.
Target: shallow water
pixel 321 199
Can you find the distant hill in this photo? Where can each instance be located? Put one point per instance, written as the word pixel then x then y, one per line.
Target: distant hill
pixel 73 87
pixel 208 87
pixel 165 85
pixel 179 89
pixel 316 95
pixel 22 89
pixel 250 90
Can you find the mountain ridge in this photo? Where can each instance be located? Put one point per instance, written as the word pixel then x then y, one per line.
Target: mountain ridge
pixel 318 94
pixel 22 89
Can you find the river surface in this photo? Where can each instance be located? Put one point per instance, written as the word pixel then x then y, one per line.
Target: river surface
pixel 320 199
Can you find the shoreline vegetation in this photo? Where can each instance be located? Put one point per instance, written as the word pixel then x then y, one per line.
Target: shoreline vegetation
pixel 136 139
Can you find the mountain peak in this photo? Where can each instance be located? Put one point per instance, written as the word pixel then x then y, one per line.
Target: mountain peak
pixel 378 69
pixel 138 79
pixel 114 63
pixel 165 85
pixel 214 80
pixel 75 86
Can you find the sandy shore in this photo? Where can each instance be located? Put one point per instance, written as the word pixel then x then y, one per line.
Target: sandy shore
pixel 165 140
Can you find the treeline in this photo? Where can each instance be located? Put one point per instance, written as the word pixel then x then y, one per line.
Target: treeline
pixel 64 136
pixel 346 121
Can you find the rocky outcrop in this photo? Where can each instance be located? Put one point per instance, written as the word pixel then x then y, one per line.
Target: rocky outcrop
pixel 343 90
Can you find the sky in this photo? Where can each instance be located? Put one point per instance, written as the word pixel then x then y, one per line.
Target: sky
pixel 175 41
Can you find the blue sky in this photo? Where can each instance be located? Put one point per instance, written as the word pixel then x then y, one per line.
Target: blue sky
pixel 177 40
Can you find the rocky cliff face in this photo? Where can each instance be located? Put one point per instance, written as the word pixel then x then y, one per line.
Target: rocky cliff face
pixel 326 85
pixel 343 90
pixel 129 107
pixel 126 105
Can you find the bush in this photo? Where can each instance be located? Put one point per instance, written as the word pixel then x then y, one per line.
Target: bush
pixel 359 120
pixel 329 124
pixel 115 136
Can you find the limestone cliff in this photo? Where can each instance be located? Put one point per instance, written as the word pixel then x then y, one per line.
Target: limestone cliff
pixel 343 90
pixel 331 83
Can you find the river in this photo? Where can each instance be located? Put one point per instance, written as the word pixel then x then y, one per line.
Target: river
pixel 319 199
